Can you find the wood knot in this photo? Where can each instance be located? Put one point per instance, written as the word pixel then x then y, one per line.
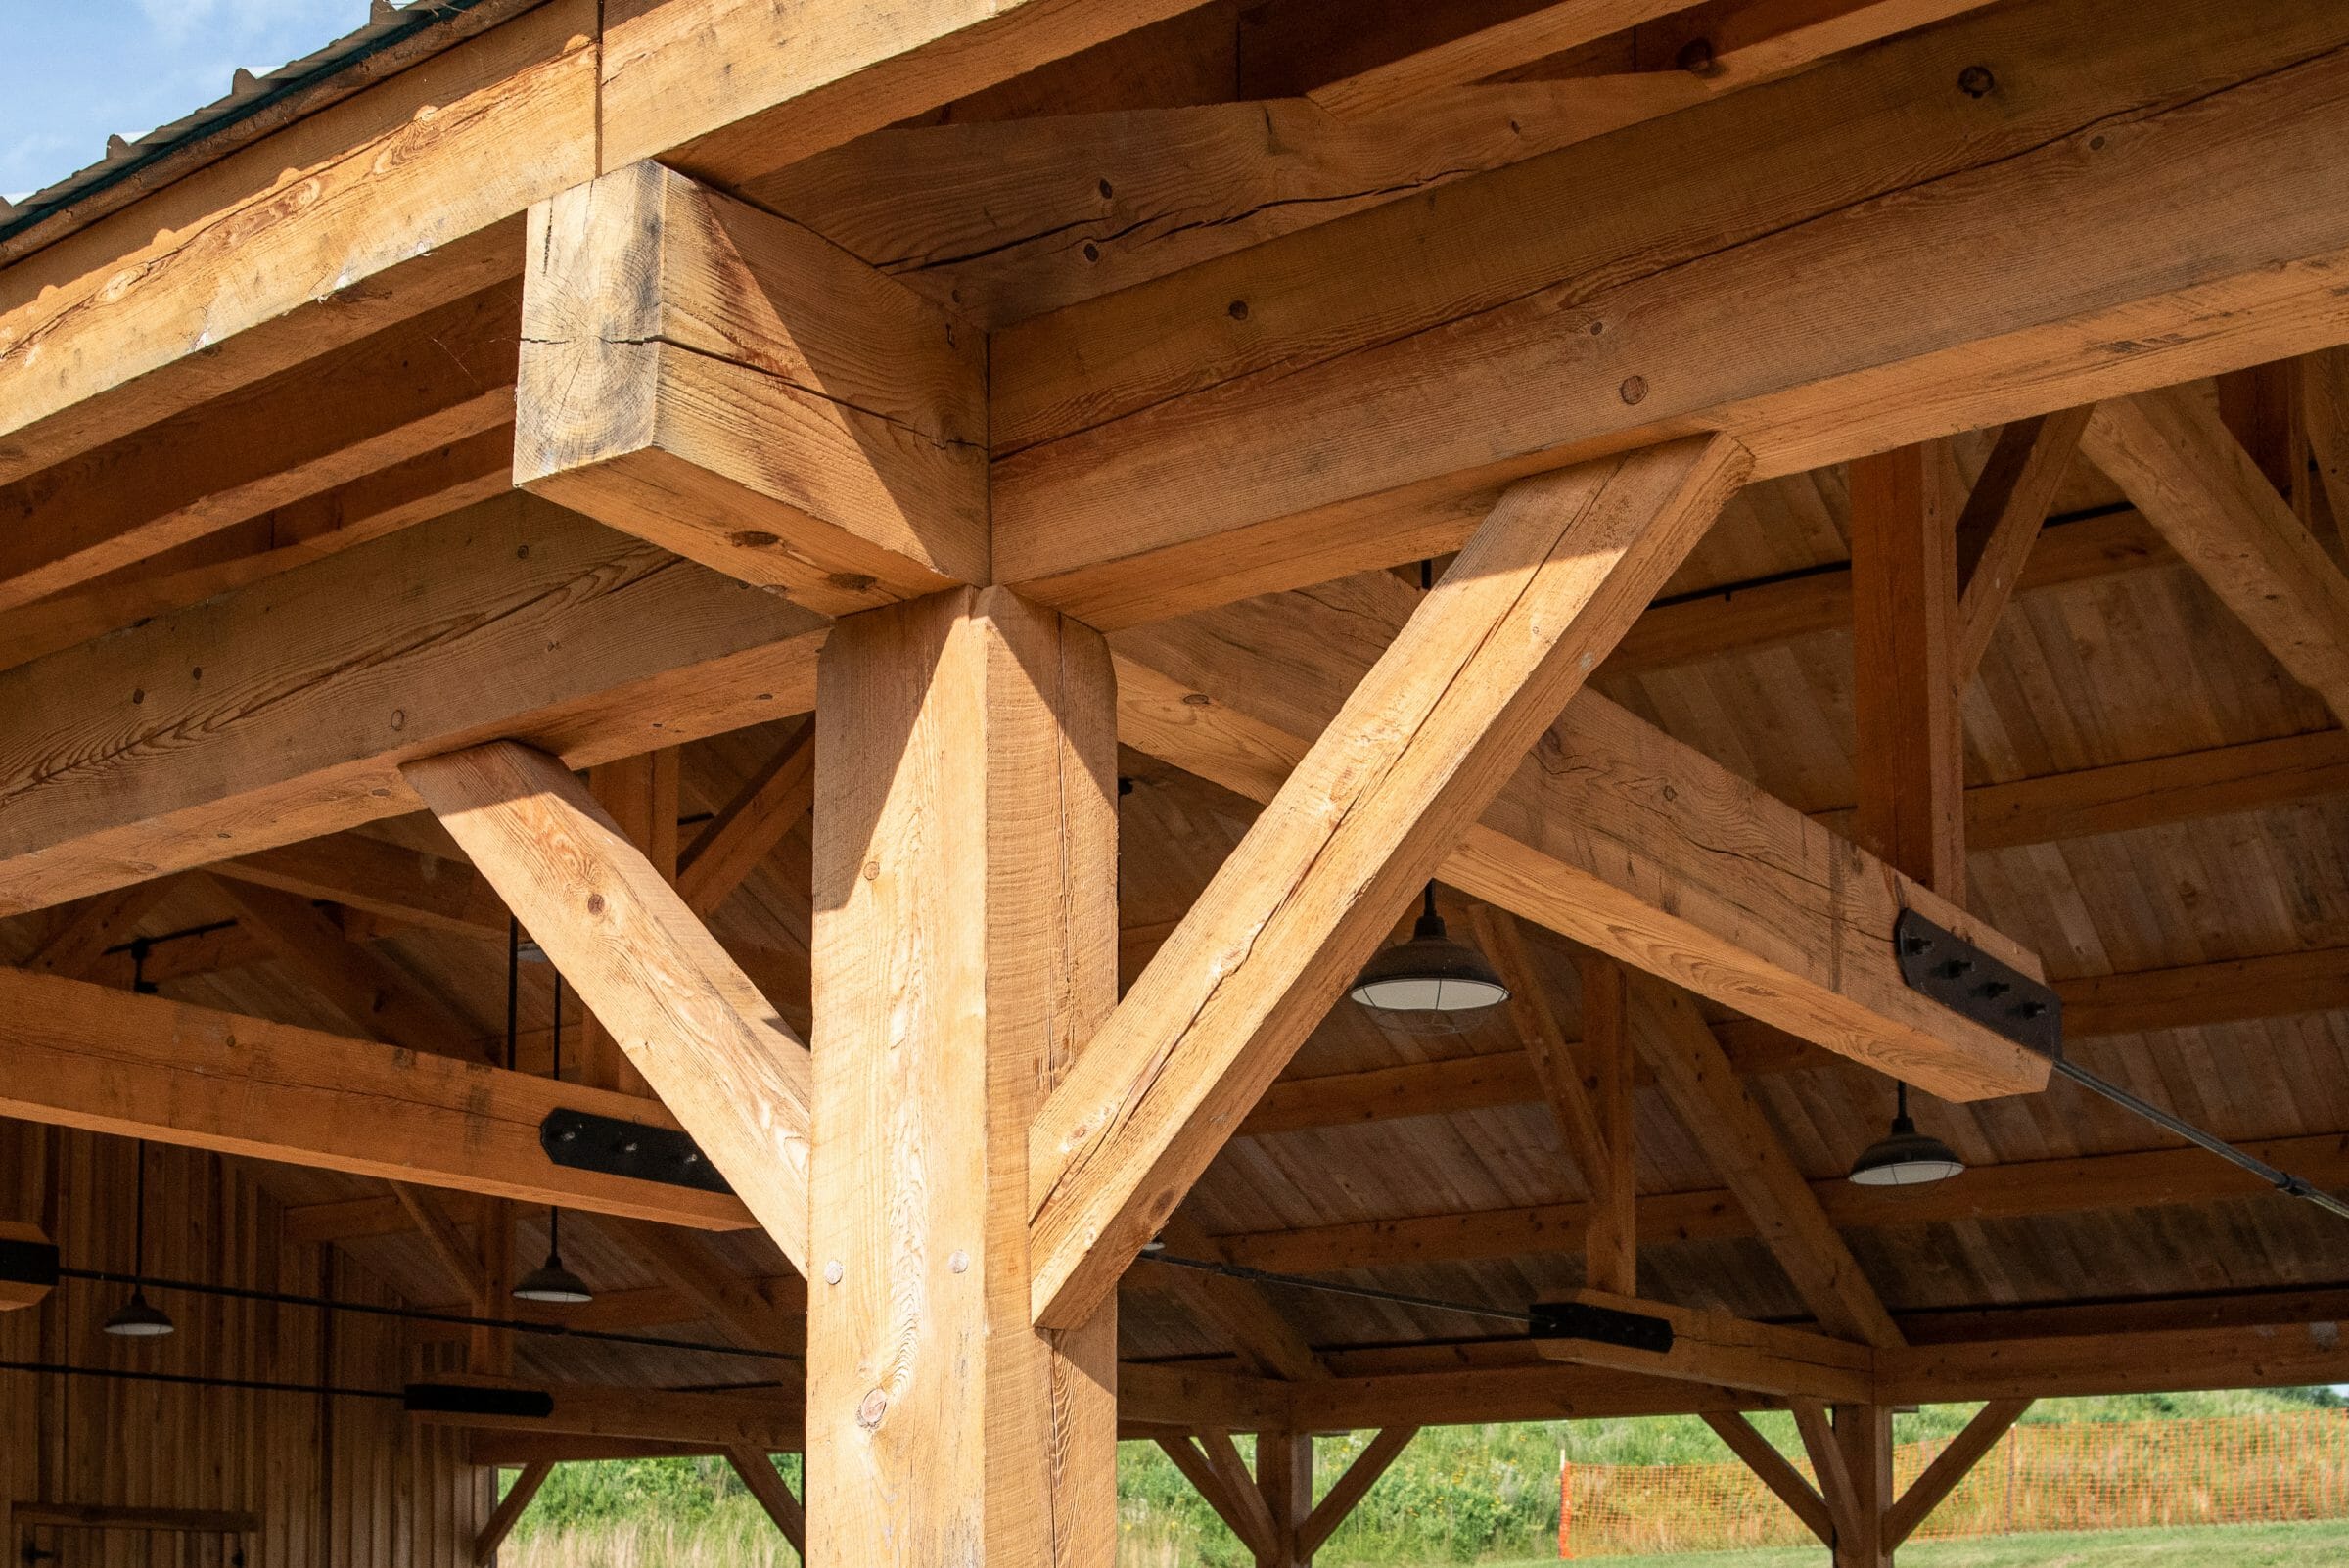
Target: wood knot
pixel 1634 389
pixel 875 1406
pixel 595 903
pixel 753 539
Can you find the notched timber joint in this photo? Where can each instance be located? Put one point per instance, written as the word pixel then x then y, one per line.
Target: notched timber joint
pixel 585 1141
pixel 1961 977
pixel 1602 1325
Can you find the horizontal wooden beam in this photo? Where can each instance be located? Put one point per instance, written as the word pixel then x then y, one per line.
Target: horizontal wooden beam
pixel 1364 412
pixel 1611 833
pixel 728 386
pixel 2078 1184
pixel 74 1054
pixel 1711 1346
pixel 756 1419
pixel 2269 1356
pixel 2186 997
pixel 283 711
pixel 1008 218
pixel 1482 1381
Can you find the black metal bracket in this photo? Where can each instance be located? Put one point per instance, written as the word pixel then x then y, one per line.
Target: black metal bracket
pixel 1961 977
pixel 1602 1325
pixel 29 1263
pixel 585 1141
pixel 475 1399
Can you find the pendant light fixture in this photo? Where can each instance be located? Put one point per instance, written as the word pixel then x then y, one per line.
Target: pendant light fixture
pixel 1430 978
pixel 1430 975
pixel 550 1281
pixel 1906 1157
pixel 138 1318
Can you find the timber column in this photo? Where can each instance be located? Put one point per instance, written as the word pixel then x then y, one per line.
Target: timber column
pixel 965 948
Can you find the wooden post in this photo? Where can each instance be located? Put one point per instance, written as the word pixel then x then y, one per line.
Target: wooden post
pixel 1863 1436
pixel 965 948
pixel 1911 761
pixel 1284 1473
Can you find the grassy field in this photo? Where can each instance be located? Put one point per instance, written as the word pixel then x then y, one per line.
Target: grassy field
pixel 2279 1545
pixel 1458 1494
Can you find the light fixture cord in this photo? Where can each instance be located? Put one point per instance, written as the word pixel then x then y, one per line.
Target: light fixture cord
pixel 1900 1099
pixel 513 988
pixel 138 1224
pixel 1427 574
pixel 554 1215
pixel 1430 897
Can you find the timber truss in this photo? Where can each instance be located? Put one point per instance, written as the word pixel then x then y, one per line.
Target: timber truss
pixel 625 379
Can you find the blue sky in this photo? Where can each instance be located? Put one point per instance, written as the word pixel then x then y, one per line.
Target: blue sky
pixel 74 72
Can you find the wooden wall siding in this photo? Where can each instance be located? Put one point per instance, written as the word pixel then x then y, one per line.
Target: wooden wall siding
pixel 339 1481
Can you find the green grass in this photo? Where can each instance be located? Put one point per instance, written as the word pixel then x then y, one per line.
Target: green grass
pixel 2275 1545
pixel 1458 1494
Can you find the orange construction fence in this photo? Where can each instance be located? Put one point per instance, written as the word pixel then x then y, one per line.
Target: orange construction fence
pixel 2090 1476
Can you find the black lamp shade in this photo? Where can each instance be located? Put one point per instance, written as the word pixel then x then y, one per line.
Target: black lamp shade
pixel 1429 974
pixel 1906 1158
pixel 550 1281
pixel 138 1319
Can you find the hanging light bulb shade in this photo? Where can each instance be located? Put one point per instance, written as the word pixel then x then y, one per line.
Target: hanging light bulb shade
pixel 138 1319
pixel 1906 1157
pixel 550 1281
pixel 1429 975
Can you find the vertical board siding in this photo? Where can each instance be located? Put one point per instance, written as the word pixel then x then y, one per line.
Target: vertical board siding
pixel 346 1481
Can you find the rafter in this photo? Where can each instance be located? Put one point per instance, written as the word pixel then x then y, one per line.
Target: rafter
pixel 1520 41
pixel 372 996
pixel 1592 1118
pixel 2077 1184
pixel 445 377
pixel 1265 1339
pixel 445 480
pixel 1752 1162
pixel 2001 522
pixel 2193 480
pixel 1421 747
pixel 747 828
